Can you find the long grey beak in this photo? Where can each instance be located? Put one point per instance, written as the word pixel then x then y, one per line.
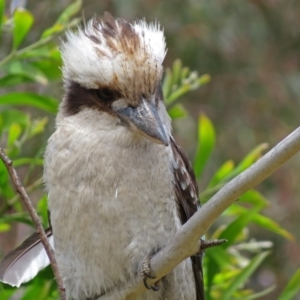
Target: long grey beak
pixel 145 120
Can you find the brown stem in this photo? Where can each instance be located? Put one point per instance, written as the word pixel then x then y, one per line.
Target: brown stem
pixel 39 228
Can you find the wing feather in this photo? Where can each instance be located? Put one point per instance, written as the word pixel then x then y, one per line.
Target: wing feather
pixel 186 191
pixel 23 263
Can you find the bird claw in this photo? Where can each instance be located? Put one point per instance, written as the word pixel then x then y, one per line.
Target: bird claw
pixel 147 273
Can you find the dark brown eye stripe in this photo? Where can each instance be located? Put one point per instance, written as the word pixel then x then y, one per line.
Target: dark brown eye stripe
pixel 78 97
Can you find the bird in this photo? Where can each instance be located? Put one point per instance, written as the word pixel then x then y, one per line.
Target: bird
pixel 119 186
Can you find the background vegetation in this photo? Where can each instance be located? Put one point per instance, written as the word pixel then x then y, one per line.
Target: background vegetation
pixel 250 49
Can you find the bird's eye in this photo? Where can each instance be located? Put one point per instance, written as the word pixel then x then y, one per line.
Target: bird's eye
pixel 106 94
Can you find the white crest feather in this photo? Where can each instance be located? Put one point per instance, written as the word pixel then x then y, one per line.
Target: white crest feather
pixel 116 53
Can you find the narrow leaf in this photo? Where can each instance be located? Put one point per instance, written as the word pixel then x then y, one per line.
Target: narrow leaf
pixel 27 161
pixel 259 295
pixel 70 11
pixel 223 171
pixel 250 158
pixel 38 126
pixel 254 197
pixel 184 73
pixel 63 19
pixel 177 111
pixel 178 92
pixel 26 70
pixel 244 275
pixel 10 116
pixel 206 143
pixel 261 221
pixel 204 79
pixel 176 72
pixel 45 103
pixel 271 225
pixel 23 21
pixel 13 134
pixel 11 80
pixel 4 227
pixel 2 8
pixel 235 227
pixel 7 294
pixel 292 288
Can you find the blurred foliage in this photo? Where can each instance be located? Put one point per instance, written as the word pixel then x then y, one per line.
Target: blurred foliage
pixel 227 268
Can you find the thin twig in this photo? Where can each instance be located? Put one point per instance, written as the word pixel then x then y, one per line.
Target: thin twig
pixel 187 241
pixel 39 228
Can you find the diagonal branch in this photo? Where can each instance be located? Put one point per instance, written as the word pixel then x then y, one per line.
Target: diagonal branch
pixel 187 241
pixel 39 228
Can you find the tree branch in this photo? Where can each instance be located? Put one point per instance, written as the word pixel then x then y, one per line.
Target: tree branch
pixel 39 228
pixel 187 241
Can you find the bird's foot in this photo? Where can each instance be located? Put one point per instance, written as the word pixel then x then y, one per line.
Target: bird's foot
pixel 211 243
pixel 147 273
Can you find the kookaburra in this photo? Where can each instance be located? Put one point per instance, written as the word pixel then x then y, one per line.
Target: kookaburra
pixel 119 187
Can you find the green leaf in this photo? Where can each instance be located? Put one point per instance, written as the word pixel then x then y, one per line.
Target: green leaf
pixel 235 227
pixel 27 161
pixel 177 93
pixel 6 292
pixel 23 21
pixel 244 275
pixel 4 227
pixel 261 221
pixel 292 288
pixel 42 208
pixel 206 143
pixel 250 158
pixel 176 72
pixel 2 8
pixel 11 80
pixel 177 111
pixel 70 11
pixel 27 70
pixel 3 175
pixel 260 294
pixel 45 103
pixel 226 275
pixel 37 291
pixel 271 225
pixel 38 126
pixel 13 134
pixel 223 171
pixel 254 197
pixel 17 217
pixel 52 30
pixel 204 79
pixel 63 19
pixel 46 52
pixel 216 259
pixel 220 256
pixel 184 73
pixel 10 116
pixel 180 81
pixel 50 67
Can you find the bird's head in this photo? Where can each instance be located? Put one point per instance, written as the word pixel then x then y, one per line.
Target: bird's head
pixel 115 67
